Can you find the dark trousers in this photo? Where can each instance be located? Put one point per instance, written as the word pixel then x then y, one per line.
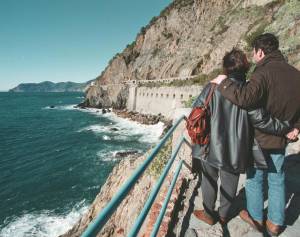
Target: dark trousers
pixel 209 186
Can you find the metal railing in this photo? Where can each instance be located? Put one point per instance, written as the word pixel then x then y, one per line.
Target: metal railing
pixel 98 223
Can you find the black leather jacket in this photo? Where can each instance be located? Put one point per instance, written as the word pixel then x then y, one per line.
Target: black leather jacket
pixel 232 145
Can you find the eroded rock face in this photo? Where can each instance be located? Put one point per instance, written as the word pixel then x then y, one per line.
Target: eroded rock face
pixel 191 36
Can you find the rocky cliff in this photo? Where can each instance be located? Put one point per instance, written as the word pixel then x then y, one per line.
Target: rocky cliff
pixel 190 37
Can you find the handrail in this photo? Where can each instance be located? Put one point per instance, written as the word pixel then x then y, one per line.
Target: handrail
pixel 139 221
pixel 167 199
pixel 95 226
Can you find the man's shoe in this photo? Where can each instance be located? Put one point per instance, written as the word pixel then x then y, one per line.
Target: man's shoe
pixel 272 229
pixel 255 224
pixel 201 215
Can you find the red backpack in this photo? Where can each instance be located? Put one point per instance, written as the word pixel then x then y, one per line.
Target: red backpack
pixel 198 122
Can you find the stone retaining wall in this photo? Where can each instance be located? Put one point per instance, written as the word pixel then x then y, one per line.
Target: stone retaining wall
pixel 163 100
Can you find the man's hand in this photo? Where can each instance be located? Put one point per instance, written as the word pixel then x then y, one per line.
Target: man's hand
pixel 293 135
pixel 219 79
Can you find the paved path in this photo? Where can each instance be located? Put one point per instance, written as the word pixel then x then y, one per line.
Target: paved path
pixel 236 227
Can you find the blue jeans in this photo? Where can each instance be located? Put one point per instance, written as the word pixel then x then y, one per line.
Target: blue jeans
pixel 276 193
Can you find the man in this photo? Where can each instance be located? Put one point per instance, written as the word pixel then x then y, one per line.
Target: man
pixel 274 85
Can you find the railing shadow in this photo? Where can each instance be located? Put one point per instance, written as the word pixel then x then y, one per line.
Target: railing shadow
pixel 191 206
pixel 292 167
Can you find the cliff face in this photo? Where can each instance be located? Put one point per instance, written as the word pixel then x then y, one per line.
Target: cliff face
pixel 191 36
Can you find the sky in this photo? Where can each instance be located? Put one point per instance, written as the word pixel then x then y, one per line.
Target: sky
pixel 66 40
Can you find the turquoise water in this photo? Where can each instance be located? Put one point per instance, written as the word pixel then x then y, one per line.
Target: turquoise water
pixel 54 161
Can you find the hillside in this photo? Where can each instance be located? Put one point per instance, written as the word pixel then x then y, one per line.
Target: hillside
pixel 190 37
pixel 48 86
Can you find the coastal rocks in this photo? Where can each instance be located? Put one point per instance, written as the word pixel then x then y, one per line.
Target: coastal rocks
pixel 122 154
pixel 141 118
pixel 121 100
pixel 98 98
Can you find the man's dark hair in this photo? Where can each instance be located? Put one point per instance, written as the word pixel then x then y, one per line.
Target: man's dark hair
pixel 235 61
pixel 266 42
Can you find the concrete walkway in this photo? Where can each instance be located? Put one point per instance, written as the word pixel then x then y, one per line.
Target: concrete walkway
pixel 236 227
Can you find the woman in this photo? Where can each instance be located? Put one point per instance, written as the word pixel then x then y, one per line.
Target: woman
pixel 232 145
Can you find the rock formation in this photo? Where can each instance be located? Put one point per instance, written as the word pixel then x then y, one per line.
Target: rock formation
pixel 190 37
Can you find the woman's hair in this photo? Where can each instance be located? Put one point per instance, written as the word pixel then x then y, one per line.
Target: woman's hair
pixel 235 61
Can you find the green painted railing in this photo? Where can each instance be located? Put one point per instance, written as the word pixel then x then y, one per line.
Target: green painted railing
pixel 97 224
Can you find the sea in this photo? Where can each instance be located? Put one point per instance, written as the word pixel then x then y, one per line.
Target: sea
pixel 55 157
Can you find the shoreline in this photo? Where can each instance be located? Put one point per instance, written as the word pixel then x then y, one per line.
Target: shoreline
pixel 145 119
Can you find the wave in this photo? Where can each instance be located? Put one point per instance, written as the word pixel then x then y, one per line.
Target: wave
pixel 106 138
pixel 62 107
pixel 122 127
pixel 125 129
pixel 43 224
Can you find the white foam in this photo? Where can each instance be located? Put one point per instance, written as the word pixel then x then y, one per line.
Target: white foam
pixel 95 128
pixel 42 224
pixel 105 155
pixel 126 127
pixel 106 138
pixel 62 107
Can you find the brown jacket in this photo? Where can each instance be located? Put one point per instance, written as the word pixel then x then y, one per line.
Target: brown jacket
pixel 274 85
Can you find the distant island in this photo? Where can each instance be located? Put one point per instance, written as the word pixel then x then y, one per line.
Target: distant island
pixel 48 86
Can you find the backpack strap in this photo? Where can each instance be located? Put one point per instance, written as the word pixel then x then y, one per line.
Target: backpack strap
pixel 212 89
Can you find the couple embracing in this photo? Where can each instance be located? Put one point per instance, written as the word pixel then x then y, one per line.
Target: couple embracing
pixel 251 123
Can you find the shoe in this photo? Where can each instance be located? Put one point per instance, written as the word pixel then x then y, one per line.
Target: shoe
pixel 272 229
pixel 255 224
pixel 201 215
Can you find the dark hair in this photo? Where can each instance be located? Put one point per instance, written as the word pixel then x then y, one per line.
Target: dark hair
pixel 266 42
pixel 235 61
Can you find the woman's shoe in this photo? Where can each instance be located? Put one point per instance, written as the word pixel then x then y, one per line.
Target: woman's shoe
pixel 201 215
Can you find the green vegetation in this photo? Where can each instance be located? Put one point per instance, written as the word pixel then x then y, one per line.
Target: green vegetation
pixel 178 4
pixel 155 52
pixel 167 35
pixel 156 167
pixel 249 38
pixel 188 103
pixel 130 46
pixel 201 79
pixel 220 26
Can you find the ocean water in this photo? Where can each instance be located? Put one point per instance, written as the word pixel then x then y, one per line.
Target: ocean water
pixel 53 161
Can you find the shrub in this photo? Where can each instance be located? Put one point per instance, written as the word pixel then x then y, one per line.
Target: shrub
pixel 188 103
pixel 155 52
pixel 156 167
pixel 249 38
